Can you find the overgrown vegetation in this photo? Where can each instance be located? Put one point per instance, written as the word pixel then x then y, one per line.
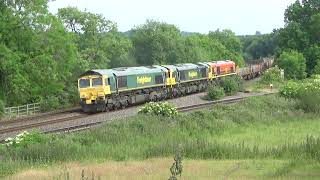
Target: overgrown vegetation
pixel 215 92
pixel 1 108
pixel 224 132
pixel 306 92
pixel 159 108
pixel 272 75
pixel 24 139
pixel 225 86
pixel 41 54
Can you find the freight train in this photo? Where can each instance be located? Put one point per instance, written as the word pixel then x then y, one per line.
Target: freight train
pixel 107 89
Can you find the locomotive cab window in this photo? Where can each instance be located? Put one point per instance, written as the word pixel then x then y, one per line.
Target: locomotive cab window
pixel 107 81
pixel 97 82
pixel 203 72
pixel 83 83
pixel 218 70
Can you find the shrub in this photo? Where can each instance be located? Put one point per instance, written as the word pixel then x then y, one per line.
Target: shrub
pixel 51 102
pixel 162 108
pixel 307 93
pixel 271 75
pixel 309 97
pixel 1 107
pixel 25 138
pixel 294 64
pixel 231 85
pixel 215 92
pixel 290 90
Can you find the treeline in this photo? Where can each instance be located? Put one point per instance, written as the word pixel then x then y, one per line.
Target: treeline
pixel 41 54
pixel 296 47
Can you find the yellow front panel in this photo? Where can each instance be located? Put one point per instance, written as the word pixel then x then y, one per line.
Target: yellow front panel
pixel 93 93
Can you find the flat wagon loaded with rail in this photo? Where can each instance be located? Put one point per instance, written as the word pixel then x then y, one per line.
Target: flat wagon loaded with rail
pixel 107 89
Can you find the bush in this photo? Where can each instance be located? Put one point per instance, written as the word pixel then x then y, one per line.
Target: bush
pixel 309 97
pixel 1 107
pixel 231 85
pixel 24 139
pixel 290 90
pixel 163 109
pixel 271 75
pixel 307 93
pixel 294 64
pixel 215 92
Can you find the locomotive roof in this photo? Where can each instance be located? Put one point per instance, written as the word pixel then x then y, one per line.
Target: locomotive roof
pixel 125 71
pixel 185 66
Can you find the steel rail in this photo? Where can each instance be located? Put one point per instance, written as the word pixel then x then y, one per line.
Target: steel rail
pixel 180 109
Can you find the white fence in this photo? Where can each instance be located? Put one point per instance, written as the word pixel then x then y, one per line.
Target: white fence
pixel 19 111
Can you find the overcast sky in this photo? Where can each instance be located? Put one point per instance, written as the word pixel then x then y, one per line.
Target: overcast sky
pixel 241 16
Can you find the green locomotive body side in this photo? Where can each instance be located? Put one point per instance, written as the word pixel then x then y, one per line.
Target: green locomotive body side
pixel 192 72
pixel 132 78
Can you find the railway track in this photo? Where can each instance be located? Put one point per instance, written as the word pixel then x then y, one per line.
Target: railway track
pixel 87 125
pixel 180 109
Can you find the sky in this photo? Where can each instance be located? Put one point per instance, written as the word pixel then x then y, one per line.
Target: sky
pixel 243 17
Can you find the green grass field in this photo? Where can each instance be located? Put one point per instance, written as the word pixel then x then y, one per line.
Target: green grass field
pixel 264 129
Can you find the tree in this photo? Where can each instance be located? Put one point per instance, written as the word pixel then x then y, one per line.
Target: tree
pixel 91 36
pixel 156 43
pixel 231 42
pixel 301 32
pixel 293 63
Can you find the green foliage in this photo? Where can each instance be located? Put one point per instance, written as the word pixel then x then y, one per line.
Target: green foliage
pixel 257 46
pixel 232 44
pixel 156 43
pixel 177 167
pixel 1 107
pixel 231 85
pixel 271 75
pixel 290 90
pixel 235 131
pixel 309 97
pixel 215 92
pixel 307 93
pixel 24 139
pixel 293 63
pixel 161 108
pixel 301 32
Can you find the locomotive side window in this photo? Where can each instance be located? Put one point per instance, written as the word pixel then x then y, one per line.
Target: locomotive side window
pixel 159 79
pixel 203 72
pixel 122 81
pixel 83 83
pixel 97 82
pixel 182 75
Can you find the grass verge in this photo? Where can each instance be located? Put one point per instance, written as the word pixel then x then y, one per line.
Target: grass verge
pixel 257 128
